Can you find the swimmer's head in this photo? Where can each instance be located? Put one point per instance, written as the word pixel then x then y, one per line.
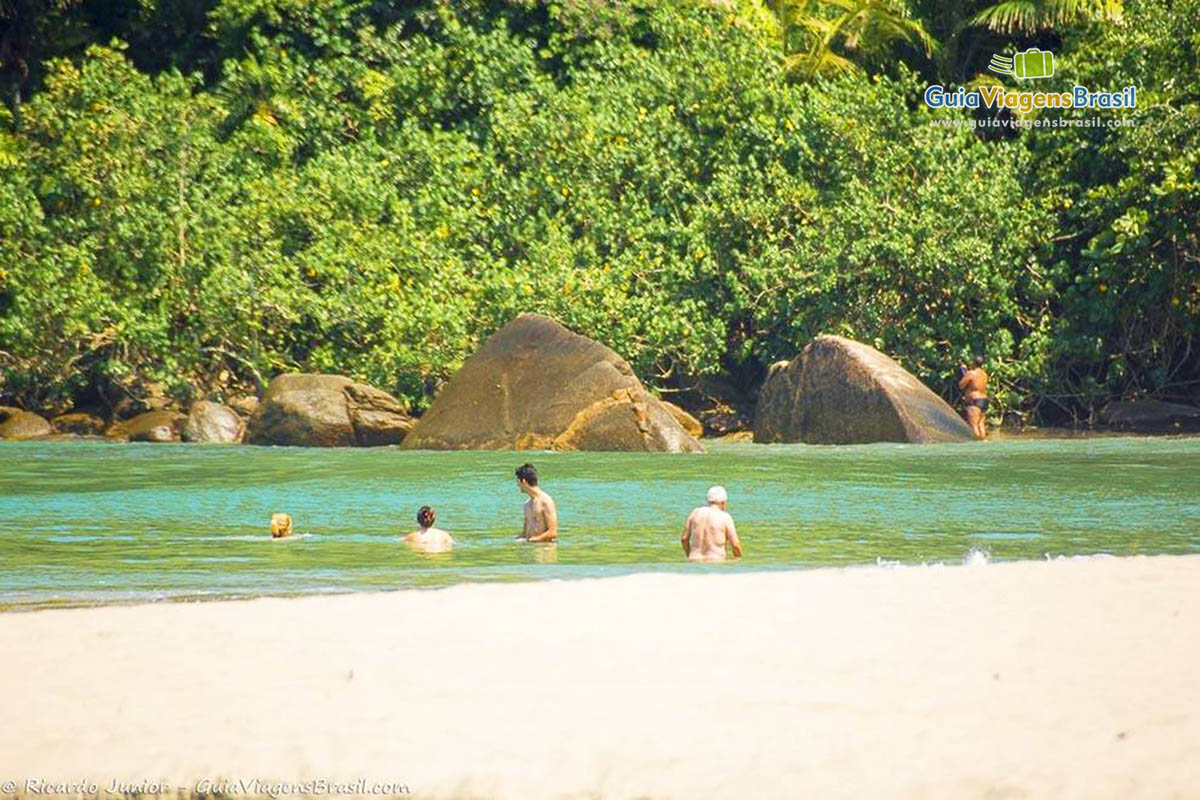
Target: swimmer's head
pixel 281 526
pixel 527 474
pixel 717 496
pixel 426 517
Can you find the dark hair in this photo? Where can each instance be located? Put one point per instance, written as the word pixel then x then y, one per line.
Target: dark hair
pixel 426 516
pixel 978 361
pixel 527 473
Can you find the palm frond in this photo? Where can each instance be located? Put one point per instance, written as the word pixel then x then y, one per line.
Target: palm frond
pixel 1033 16
pixel 824 64
pixel 824 37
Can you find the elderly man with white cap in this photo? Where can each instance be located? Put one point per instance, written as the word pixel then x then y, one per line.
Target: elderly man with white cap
pixel 709 528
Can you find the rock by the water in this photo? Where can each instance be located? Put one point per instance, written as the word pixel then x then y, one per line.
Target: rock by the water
pixel 313 416
pixel 1150 415
pixel 378 418
pixel 326 411
pixel 212 423
pixel 152 426
pixel 685 420
pixel 838 391
pixel 245 405
pixel 536 385
pixel 80 423
pixel 16 423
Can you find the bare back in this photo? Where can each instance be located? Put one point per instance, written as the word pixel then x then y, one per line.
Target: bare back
pixel 708 530
pixel 430 540
pixel 974 383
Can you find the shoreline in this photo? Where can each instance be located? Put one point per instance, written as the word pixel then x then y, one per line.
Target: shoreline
pixel 995 433
pixel 1067 679
pixel 972 559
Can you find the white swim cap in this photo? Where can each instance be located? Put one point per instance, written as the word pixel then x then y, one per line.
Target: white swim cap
pixel 716 494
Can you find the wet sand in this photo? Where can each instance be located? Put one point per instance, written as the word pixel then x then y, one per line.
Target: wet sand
pixel 1067 679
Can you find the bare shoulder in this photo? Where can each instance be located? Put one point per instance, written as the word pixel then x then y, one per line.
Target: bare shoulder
pixel 547 502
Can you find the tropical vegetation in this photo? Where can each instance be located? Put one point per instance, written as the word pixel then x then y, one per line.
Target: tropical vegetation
pixel 204 193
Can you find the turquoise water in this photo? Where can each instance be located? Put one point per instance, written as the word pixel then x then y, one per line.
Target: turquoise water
pixel 84 522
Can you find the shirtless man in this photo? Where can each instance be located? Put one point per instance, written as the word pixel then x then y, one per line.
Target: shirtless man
pixel 541 515
pixel 429 539
pixel 973 384
pixel 709 528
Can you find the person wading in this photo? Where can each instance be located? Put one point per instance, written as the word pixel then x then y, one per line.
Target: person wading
pixel 429 539
pixel 973 384
pixel 709 529
pixel 541 515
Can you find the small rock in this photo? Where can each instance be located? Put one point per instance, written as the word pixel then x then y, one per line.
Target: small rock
pixel 245 405
pixel 152 426
pixel 80 423
pixel 16 423
pixel 212 423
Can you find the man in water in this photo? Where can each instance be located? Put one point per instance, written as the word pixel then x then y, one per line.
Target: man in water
pixel 429 539
pixel 973 384
pixel 541 515
pixel 709 528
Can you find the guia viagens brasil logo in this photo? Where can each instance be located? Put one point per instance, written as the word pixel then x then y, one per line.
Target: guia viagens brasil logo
pixel 1026 65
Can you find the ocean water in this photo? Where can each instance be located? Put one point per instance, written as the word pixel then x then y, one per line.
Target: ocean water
pixel 92 522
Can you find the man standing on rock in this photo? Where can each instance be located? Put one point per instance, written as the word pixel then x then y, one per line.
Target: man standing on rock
pixel 541 515
pixel 973 384
pixel 709 528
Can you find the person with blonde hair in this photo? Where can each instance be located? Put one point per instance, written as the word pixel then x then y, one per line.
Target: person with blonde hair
pixel 281 526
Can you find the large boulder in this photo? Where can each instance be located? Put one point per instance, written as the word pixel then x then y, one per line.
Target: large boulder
pixel 536 385
pixel 152 426
pixel 212 423
pixel 326 411
pixel 1150 415
pixel 18 424
pixel 838 391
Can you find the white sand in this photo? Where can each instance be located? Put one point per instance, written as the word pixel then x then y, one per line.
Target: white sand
pixel 1071 679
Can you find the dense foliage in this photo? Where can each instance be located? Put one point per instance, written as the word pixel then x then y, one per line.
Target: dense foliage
pixel 352 187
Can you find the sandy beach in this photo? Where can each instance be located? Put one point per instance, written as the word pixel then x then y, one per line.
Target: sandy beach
pixel 1074 678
